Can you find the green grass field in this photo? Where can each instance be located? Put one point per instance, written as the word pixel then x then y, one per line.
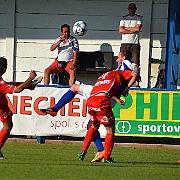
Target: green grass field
pixel 54 161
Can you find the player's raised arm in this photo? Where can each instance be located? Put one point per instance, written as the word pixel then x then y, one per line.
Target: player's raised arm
pixel 130 83
pixel 23 85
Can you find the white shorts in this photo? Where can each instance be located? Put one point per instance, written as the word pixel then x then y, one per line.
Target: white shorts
pixel 85 91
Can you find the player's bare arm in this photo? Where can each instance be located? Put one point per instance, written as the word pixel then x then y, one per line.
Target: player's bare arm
pixel 133 79
pixel 120 101
pixel 131 82
pixel 136 69
pixel 22 86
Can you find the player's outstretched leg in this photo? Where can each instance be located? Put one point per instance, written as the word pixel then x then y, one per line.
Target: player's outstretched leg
pixel 67 97
pixel 4 133
pixel 87 141
pixel 49 111
pixel 98 142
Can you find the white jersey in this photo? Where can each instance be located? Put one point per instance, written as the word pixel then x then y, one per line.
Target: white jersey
pixel 131 21
pixel 66 50
pixel 85 91
pixel 129 65
pixel 126 65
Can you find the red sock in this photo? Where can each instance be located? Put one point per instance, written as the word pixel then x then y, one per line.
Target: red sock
pixel 3 137
pixel 88 138
pixel 109 143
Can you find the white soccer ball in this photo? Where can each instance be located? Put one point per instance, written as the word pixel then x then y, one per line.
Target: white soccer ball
pixel 80 28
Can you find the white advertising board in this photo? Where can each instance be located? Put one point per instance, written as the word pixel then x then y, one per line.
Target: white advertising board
pixel 71 120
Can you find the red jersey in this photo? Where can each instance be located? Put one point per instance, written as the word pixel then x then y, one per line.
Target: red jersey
pixel 4 89
pixel 110 81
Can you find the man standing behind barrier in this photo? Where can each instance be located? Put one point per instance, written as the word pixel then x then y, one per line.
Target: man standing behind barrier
pixel 130 27
pixel 68 48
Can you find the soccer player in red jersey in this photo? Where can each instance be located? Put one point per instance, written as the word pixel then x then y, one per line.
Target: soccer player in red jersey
pixel 5 112
pixel 99 107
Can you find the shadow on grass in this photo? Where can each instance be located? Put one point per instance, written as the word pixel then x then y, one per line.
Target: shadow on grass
pixel 85 163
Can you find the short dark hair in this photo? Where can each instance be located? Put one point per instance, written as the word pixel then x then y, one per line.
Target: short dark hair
pixel 127 54
pixel 65 26
pixel 132 4
pixel 3 63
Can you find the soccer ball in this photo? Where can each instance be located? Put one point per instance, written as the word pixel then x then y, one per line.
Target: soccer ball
pixel 80 28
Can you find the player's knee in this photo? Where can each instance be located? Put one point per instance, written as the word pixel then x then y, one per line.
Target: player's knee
pixel 89 124
pixel 96 125
pixel 109 129
pixel 8 126
pixel 71 72
pixel 46 71
pixel 75 88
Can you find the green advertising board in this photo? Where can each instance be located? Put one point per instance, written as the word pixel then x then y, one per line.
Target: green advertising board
pixel 149 114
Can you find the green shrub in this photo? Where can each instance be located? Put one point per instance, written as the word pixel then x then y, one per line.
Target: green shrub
pixel 157 61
